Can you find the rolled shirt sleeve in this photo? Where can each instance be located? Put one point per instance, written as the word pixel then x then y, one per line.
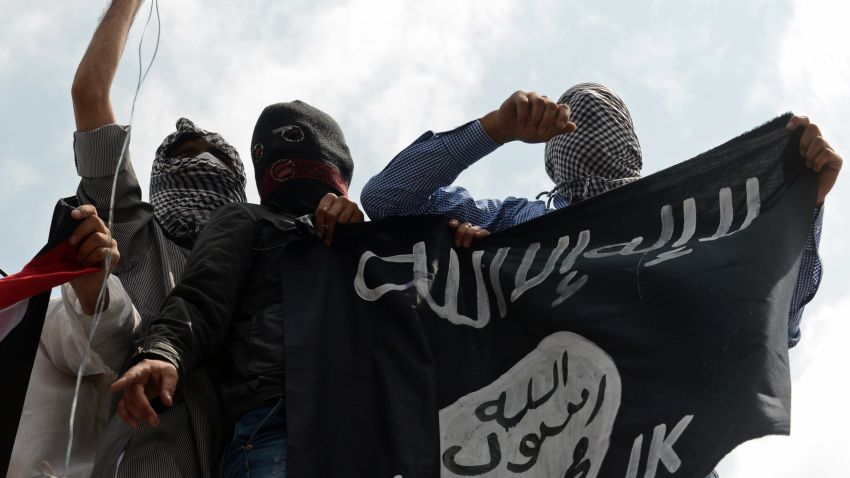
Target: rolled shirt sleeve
pixel 97 154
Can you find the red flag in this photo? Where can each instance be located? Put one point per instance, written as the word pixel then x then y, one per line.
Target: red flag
pixel 49 269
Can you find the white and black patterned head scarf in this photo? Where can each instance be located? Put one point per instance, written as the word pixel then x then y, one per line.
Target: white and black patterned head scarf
pixel 602 153
pixel 184 192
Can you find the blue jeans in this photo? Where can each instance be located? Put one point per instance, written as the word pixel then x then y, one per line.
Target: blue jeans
pixel 258 447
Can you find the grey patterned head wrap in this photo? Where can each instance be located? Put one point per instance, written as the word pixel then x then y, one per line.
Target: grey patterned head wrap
pixel 603 152
pixel 184 192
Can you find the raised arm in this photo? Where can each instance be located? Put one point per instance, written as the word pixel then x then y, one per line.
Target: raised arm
pixel 93 80
pixel 417 180
pixel 527 117
pixel 99 142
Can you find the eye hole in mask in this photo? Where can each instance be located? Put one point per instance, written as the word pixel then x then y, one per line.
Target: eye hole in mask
pixel 210 157
pixel 290 133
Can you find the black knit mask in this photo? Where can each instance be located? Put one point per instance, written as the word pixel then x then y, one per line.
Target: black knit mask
pixel 299 154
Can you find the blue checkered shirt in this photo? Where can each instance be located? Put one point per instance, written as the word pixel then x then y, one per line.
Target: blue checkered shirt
pixel 418 181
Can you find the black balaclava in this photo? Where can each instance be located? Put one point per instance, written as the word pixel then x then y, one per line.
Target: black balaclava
pixel 602 153
pixel 299 155
pixel 184 192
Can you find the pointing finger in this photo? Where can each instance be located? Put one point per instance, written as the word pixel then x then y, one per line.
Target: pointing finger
pixel 143 410
pixel 134 408
pixel 125 415
pixel 129 377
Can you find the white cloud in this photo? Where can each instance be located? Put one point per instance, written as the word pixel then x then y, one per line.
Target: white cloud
pixel 34 41
pixel 669 59
pixel 386 71
pixel 811 74
pixel 652 57
pixel 814 60
pixel 5 58
pixel 17 176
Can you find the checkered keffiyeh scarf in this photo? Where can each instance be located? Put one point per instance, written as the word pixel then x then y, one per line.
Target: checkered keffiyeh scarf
pixel 184 192
pixel 603 152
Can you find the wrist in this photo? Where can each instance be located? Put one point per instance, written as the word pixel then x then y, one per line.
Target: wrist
pixel 153 348
pixel 489 123
pixel 89 306
pixel 87 296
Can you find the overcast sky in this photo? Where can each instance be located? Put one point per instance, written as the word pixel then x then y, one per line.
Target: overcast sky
pixel 693 74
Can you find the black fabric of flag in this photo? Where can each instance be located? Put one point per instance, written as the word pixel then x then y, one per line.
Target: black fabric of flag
pixel 638 333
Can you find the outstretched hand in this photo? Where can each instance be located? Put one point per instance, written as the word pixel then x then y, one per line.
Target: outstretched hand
pixel 335 209
pixel 818 154
pixel 146 380
pixel 528 117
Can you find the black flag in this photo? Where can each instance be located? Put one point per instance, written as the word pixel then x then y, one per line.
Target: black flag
pixel 640 333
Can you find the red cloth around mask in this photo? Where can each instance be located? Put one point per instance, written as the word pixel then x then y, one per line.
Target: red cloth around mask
pixel 287 169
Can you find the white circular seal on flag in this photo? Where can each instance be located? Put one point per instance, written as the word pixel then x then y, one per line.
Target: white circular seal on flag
pixel 551 414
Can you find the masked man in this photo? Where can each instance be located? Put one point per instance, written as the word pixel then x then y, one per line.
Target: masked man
pixel 194 172
pixel 591 147
pixel 227 307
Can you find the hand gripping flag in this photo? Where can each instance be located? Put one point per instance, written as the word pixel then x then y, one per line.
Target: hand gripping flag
pixel 23 303
pixel 639 333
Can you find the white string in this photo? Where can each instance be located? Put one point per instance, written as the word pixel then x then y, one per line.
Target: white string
pixel 107 263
